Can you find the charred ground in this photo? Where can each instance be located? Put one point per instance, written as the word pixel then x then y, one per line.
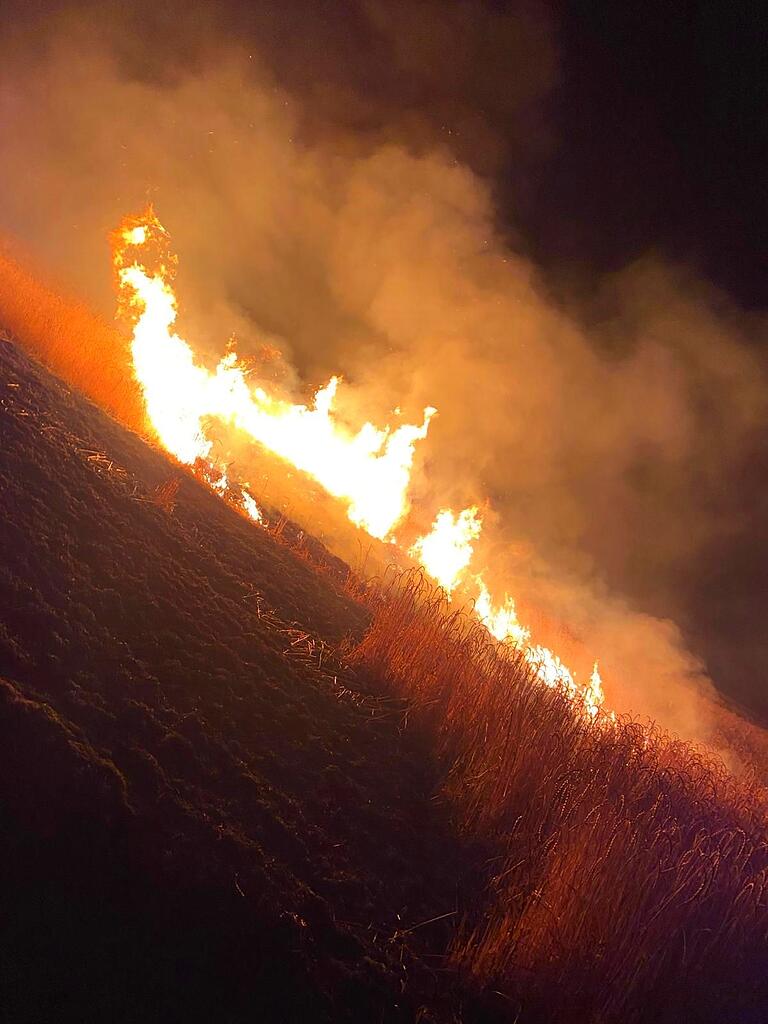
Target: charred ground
pixel 197 821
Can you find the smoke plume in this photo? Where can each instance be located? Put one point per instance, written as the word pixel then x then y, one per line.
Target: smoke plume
pixel 329 182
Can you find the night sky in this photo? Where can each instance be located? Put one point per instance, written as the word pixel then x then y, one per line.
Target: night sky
pixel 662 141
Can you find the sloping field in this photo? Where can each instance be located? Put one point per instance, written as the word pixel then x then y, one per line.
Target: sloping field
pixel 231 790
pixel 198 820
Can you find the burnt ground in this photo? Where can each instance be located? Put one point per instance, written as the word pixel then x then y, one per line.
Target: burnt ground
pixel 196 821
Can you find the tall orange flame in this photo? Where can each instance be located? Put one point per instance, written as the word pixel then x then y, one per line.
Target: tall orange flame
pixel 369 470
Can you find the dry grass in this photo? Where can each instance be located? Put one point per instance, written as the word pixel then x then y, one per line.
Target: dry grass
pixel 166 494
pixel 629 870
pixel 71 341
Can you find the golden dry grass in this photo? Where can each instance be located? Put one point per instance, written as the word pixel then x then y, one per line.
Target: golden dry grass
pixel 70 340
pixel 630 869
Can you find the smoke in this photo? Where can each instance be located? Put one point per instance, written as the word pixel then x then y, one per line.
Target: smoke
pixel 328 180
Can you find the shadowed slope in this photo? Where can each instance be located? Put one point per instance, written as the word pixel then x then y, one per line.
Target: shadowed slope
pixel 198 822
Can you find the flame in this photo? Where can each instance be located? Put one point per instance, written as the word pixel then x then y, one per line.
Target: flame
pixel 136 235
pixel 250 506
pixel 550 669
pixel 446 551
pixel 502 622
pixel 369 470
pixel 593 695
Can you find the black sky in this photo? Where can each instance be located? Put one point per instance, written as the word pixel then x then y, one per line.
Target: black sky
pixel 662 140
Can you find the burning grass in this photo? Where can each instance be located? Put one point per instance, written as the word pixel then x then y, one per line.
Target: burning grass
pixel 628 871
pixel 156 383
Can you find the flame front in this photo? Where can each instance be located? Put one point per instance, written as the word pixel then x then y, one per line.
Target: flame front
pixel 250 506
pixel 446 551
pixel 369 470
pixel 502 621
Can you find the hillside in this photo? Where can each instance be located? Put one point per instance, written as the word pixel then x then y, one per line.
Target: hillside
pixel 236 785
pixel 197 821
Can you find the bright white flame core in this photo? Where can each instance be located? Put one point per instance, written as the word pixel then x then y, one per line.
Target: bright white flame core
pixel 446 551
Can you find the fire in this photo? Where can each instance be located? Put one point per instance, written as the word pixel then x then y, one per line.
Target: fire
pixel 446 551
pixel 594 695
pixel 250 506
pixel 369 469
pixel 550 669
pixel 136 235
pixel 501 622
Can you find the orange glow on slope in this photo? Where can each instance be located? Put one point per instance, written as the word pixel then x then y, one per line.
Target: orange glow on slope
pixel 369 470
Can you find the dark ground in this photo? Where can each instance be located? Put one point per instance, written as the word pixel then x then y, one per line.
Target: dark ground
pixel 196 823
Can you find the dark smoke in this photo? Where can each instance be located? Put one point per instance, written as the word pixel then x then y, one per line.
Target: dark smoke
pixel 328 177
